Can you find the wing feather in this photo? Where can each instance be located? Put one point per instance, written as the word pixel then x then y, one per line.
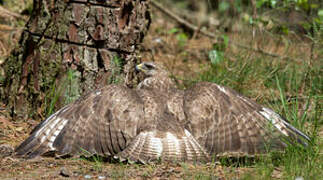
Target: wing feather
pixel 40 135
pixel 100 123
pixel 227 123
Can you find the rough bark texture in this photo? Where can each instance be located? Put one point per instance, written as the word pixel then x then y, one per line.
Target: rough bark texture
pixel 70 47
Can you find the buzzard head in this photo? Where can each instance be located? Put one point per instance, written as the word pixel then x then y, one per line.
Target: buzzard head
pixel 156 77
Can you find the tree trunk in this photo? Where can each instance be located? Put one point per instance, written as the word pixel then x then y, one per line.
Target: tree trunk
pixel 70 47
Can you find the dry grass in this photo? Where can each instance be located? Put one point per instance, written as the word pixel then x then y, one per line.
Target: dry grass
pixel 11 26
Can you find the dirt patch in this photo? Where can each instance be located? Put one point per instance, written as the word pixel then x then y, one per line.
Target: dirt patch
pixel 50 168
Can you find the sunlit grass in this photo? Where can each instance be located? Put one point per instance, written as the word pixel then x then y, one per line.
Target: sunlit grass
pixel 67 88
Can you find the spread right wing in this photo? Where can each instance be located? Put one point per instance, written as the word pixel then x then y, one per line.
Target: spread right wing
pixel 103 123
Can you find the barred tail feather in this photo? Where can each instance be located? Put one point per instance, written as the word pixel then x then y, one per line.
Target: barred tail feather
pixel 152 146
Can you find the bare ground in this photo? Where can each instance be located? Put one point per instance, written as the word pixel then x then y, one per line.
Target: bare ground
pixel 49 168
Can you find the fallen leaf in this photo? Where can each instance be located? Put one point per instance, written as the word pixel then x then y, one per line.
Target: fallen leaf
pixel 19 128
pixel 5 121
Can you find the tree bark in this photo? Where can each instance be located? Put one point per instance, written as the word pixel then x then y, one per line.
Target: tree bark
pixel 70 47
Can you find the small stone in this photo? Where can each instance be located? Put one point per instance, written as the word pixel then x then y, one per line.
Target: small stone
pixel 64 173
pixel 299 178
pixel 158 40
pixel 87 176
pixel 101 177
pixel 5 150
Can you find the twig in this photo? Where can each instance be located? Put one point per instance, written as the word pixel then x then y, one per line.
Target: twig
pixel 207 33
pixel 312 53
pixel 4 27
pixel 259 51
pixel 6 13
pixel 181 20
pixel 254 17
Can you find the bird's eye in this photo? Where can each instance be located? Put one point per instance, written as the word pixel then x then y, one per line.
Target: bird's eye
pixel 149 66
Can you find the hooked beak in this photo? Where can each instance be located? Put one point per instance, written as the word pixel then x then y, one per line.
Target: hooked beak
pixel 139 67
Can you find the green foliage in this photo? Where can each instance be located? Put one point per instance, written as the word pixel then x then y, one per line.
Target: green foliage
pixel 216 55
pixel 296 161
pixel 51 100
pixel 320 14
pixel 96 159
pixel 18 6
pixel 2 79
pixel 71 84
pixel 29 9
pixel 173 31
pixel 295 4
pixel 222 73
pixel 68 89
pixel 182 39
pixel 271 3
pixel 180 36
pixel 116 70
pixel 224 6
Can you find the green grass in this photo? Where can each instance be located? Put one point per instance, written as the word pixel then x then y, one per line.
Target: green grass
pixel 292 89
pixel 68 89
pixel 116 70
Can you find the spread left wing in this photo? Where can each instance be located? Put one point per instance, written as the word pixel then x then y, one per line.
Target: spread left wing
pixel 225 122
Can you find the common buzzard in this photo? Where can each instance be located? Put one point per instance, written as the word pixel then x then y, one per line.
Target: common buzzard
pixel 159 121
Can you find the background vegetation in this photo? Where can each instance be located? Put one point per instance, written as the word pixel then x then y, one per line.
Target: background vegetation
pixel 269 50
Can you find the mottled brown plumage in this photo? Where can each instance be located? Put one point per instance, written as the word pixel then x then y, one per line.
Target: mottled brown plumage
pixel 158 121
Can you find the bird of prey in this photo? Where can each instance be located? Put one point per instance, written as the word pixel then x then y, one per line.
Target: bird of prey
pixel 157 121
